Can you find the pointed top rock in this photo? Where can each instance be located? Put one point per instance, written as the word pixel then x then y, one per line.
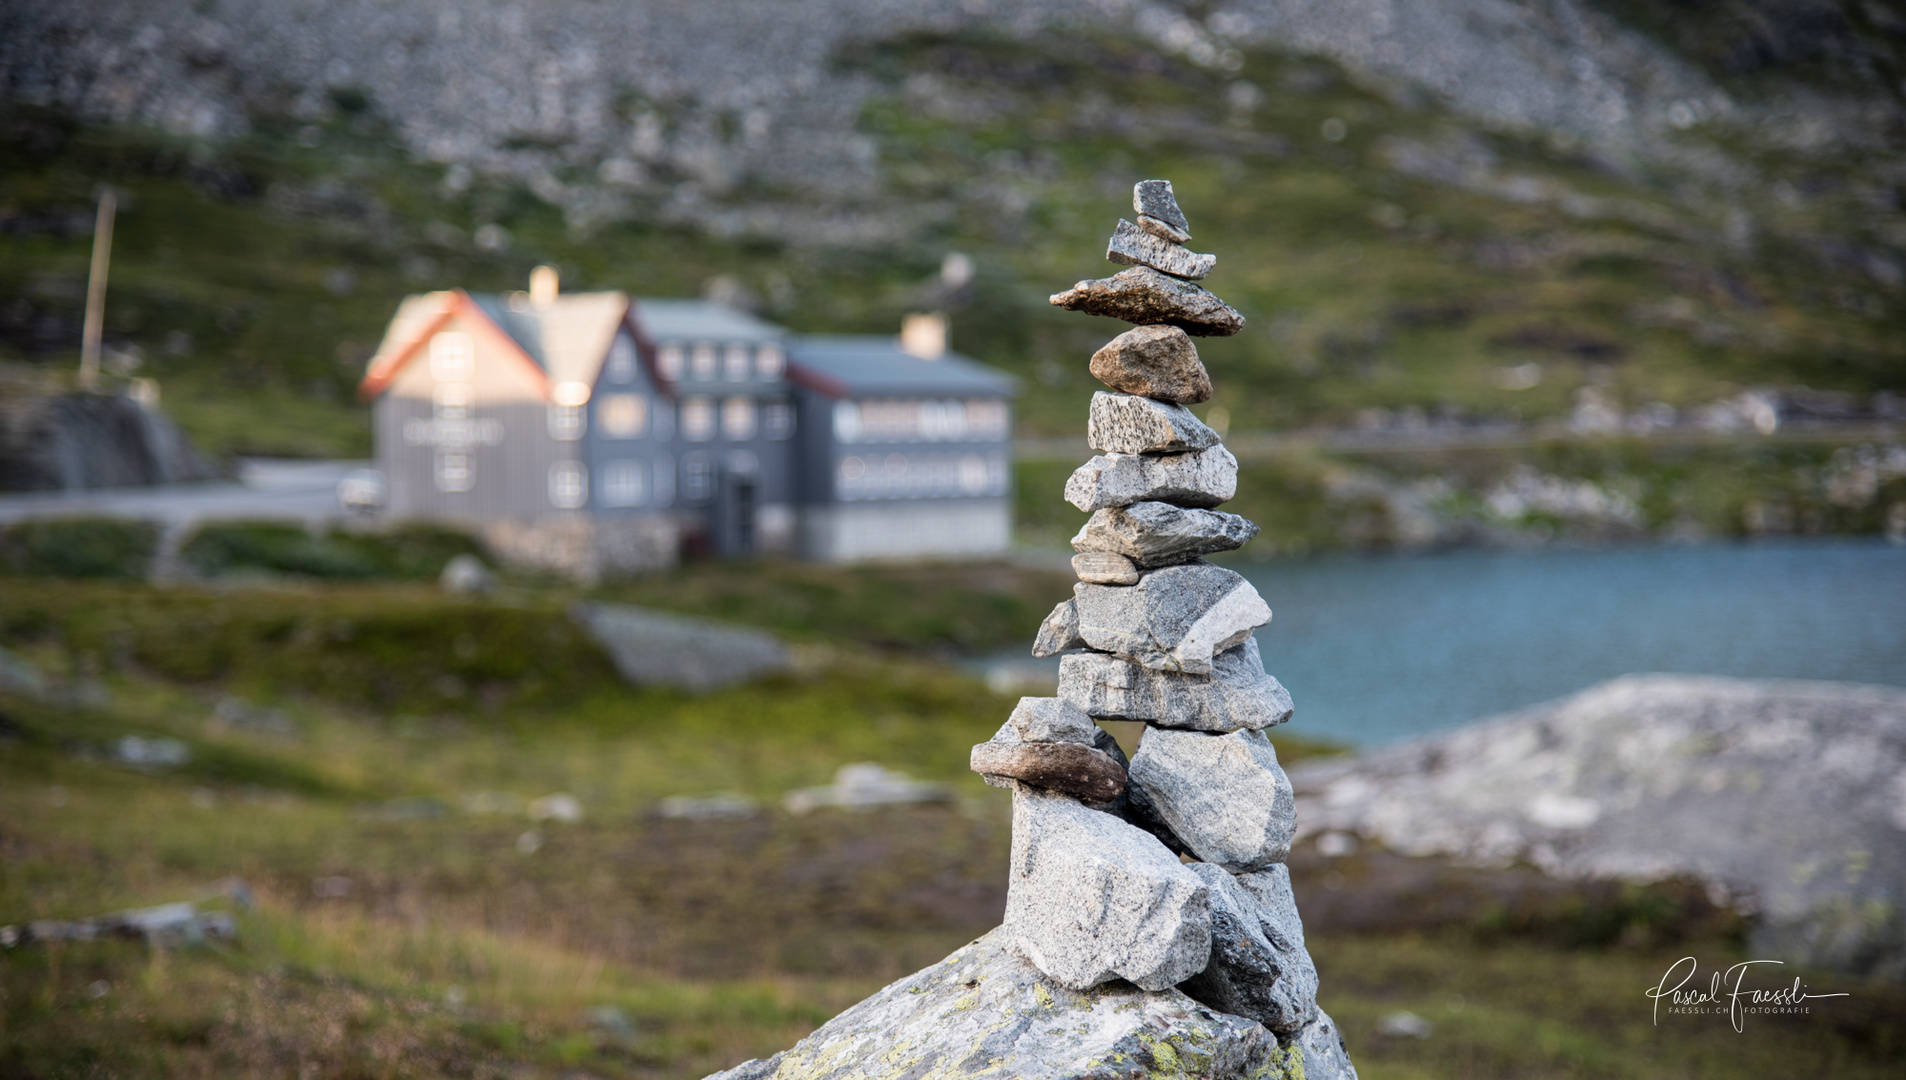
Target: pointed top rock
pixel 1154 199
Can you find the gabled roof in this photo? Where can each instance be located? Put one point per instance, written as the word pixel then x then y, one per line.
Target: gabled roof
pixel 564 341
pixel 863 365
pixel 700 320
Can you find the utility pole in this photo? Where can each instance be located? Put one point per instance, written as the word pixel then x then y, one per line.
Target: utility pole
pixel 96 291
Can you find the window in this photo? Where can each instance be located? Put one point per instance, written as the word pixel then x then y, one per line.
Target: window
pixel 669 362
pixel 734 363
pixel 702 362
pixel 698 419
pixel 451 401
pixel 846 422
pixel 566 422
pixel 664 480
pixel 777 419
pixel 453 472
pixel 622 483
pixel 623 416
pixel 737 419
pixel 450 356
pixel 568 485
pixel 986 419
pixel 621 360
pixel 769 362
pixel 698 479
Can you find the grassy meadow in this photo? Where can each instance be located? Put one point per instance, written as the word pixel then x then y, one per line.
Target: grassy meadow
pixel 406 916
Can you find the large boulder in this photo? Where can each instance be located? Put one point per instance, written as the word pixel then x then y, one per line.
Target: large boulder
pixel 1789 797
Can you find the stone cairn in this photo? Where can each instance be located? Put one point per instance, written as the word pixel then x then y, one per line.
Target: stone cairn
pixel 1153 633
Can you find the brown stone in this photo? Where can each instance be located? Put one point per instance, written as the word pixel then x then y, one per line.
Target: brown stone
pixel 1079 771
pixel 1144 296
pixel 1155 362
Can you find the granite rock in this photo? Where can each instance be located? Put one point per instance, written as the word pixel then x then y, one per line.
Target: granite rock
pixel 1104 568
pixel 1259 967
pixel 1133 246
pixel 1175 619
pixel 986 1009
pixel 1236 696
pixel 1145 296
pixel 1163 230
pixel 1091 898
pixel 1152 534
pixel 1155 362
pixel 1317 1052
pixel 1204 479
pixel 1065 767
pixel 1155 199
pixel 1060 632
pixel 1128 424
pixel 1224 795
pixel 1051 719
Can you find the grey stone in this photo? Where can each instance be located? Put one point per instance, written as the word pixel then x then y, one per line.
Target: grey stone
pixel 466 574
pixel 1065 767
pixel 985 1009
pixel 1259 967
pixel 1175 619
pixel 1154 534
pixel 1156 362
pixel 1155 199
pixel 1236 696
pixel 1162 230
pixel 1060 632
pixel 1144 296
pixel 1104 568
pixel 650 648
pixel 1133 246
pixel 1051 719
pixel 1790 794
pixel 1127 424
pixel 1224 795
pixel 1316 1052
pixel 1090 898
pixel 864 785
pixel 1206 478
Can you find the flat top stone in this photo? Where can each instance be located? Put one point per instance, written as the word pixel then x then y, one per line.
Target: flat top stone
pixel 1146 296
pixel 1128 424
pixel 1154 198
pixel 1155 362
pixel 1051 719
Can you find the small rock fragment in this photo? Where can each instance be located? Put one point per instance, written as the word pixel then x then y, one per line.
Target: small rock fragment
pixel 1206 478
pixel 1060 632
pixel 1069 768
pixel 1155 362
pixel 1162 230
pixel 1174 619
pixel 1259 967
pixel 1237 695
pixel 1133 246
pixel 1127 424
pixel 1145 296
pixel 1091 899
pixel 1051 719
pixel 1155 199
pixel 1104 568
pixel 1224 795
pixel 1151 534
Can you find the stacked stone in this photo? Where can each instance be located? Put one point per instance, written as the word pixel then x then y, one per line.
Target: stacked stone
pixel 1166 870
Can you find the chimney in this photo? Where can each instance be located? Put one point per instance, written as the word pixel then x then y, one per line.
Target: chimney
pixel 923 335
pixel 542 286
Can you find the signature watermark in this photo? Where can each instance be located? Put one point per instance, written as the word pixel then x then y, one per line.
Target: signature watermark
pixel 1727 992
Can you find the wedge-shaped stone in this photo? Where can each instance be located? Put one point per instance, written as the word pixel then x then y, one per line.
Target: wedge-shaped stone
pixel 1175 619
pixel 1133 246
pixel 1206 478
pixel 1068 768
pixel 1162 230
pixel 1155 199
pixel 1091 899
pixel 1152 534
pixel 1128 424
pixel 1104 568
pixel 1155 362
pixel 1236 696
pixel 1145 296
pixel 1224 795
pixel 1316 1052
pixel 1060 632
pixel 1051 719
pixel 1259 967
